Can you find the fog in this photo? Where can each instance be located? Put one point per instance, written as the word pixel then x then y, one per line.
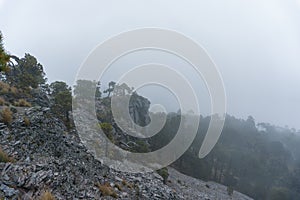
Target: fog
pixel 255 44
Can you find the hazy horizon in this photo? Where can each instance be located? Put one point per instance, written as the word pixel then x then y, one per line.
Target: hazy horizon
pixel 255 45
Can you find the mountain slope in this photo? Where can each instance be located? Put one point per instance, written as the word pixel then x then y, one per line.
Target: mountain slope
pixel 48 157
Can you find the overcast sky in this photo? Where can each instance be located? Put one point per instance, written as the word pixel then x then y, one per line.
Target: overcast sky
pixel 254 43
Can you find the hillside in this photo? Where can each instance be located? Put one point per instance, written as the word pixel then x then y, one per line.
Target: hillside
pixel 48 157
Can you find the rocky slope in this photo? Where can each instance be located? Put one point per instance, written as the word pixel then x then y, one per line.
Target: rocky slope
pixel 191 188
pixel 50 158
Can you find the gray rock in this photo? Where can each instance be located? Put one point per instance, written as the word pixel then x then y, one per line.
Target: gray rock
pixel 9 192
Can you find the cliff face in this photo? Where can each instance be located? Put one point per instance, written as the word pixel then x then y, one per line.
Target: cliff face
pixel 139 109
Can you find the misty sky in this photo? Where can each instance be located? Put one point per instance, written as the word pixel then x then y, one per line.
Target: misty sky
pixel 254 43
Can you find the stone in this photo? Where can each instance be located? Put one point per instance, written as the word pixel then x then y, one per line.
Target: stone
pixel 9 192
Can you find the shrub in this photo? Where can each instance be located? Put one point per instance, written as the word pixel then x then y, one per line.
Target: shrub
pixel 142 147
pixel 47 196
pixel 107 190
pixel 163 172
pixel 4 157
pixel 107 129
pixel 6 115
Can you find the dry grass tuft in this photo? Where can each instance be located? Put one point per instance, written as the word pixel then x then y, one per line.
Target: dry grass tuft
pixel 26 121
pixel 47 196
pixel 6 115
pixel 4 157
pixel 107 190
pixel 2 101
pixel 14 90
pixel 4 87
pixel 22 103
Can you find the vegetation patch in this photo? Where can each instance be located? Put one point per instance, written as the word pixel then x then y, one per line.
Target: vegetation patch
pixel 2 101
pixel 26 121
pixel 22 103
pixel 4 157
pixel 163 172
pixel 47 196
pixel 107 190
pixel 7 116
pixel 125 183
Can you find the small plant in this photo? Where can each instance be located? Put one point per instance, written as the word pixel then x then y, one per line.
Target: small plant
pixel 26 121
pixel 163 172
pixel 107 129
pixel 107 190
pixel 6 115
pixel 47 196
pixel 230 190
pixel 4 157
pixel 142 147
